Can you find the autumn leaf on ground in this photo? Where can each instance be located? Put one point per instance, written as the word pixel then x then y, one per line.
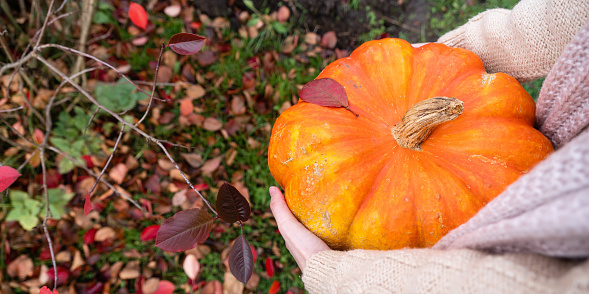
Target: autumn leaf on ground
pixel 87 204
pixel 138 15
pixel 185 43
pixel 7 176
pixel 46 290
pixel 325 92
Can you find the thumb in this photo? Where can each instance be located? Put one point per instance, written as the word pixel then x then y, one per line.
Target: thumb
pixel 279 208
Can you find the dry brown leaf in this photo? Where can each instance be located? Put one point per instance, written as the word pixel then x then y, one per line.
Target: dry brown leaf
pixel 118 173
pixel 115 269
pixel 195 92
pixel 311 38
pixel 165 164
pixel 104 234
pixel 283 14
pixel 173 10
pixel 286 105
pixel 78 261
pixel 130 271
pixel 164 74
pixel 253 282
pixel 290 43
pixel 21 267
pixel 212 124
pixel 237 105
pixel 140 41
pixel 169 58
pixel 329 40
pixel 213 287
pixel 63 256
pixel 193 159
pixel 191 266
pixel 186 107
pixel 211 165
pixel 150 285
pixel 43 276
pixel 231 284
pixel 252 143
pixel 85 221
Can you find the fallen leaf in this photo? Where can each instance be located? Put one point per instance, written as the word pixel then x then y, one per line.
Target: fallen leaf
pixel 325 92
pixel 104 234
pixel 195 91
pixel 118 173
pixel 165 287
pixel 311 38
pixel 231 284
pixel 186 107
pixel 205 58
pixel 130 271
pixel 269 267
pixel 191 266
pixel 21 267
pixel 283 14
pixel 164 74
pixel 78 261
pixel 193 159
pixel 274 288
pixel 329 40
pixel 88 204
pixel 211 165
pixel 150 285
pixel 138 15
pixel 149 233
pixel 212 124
pixel 173 10
pixel 46 290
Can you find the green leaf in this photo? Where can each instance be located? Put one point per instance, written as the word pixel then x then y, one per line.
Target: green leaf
pixel 61 144
pixel 252 21
pixel 65 166
pixel 24 209
pixel 279 28
pixel 118 97
pixel 249 4
pixel 58 200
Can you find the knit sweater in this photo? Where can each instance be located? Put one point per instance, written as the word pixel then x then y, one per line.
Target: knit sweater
pixel 534 237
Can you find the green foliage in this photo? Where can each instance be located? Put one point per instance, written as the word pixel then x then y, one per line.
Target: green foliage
pixel 104 14
pixel 27 210
pixel 24 209
pixel 68 137
pixel 119 97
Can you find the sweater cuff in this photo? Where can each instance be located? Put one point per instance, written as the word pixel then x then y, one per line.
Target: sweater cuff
pixel 454 38
pixel 319 275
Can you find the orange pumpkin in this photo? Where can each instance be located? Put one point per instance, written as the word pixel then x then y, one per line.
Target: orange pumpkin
pixel 349 181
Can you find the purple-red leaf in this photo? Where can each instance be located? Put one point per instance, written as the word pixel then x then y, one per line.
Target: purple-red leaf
pixel 186 44
pixel 231 205
pixel 241 260
pixel 325 92
pixel 184 230
pixel 269 267
pixel 138 15
pixel 88 204
pixel 149 233
pixel 7 176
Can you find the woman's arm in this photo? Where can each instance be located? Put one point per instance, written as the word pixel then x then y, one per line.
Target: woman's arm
pixel 524 42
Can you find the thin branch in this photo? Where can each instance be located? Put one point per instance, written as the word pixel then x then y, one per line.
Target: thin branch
pixel 114 150
pixel 14 144
pixel 96 59
pixel 157 67
pixel 27 160
pixel 117 117
pixel 10 110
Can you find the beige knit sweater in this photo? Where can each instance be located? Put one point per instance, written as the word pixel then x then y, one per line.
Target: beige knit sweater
pixel 534 237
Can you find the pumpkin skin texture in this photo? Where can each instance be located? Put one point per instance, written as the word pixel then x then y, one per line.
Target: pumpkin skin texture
pixel 349 182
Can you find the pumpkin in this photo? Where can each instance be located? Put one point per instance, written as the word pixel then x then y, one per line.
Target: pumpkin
pixel 408 169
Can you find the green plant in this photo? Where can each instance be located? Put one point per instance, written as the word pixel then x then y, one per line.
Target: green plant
pixel 27 210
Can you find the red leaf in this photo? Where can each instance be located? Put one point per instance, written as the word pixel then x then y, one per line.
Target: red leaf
pixel 89 236
pixel 88 204
pixel 88 160
pixel 325 92
pixel 270 267
pixel 46 290
pixel 184 230
pixel 138 15
pixel 62 275
pixel 186 44
pixel 241 260
pixel 165 287
pixel 254 252
pixel 231 205
pixel 149 233
pixel 7 176
pixel 274 287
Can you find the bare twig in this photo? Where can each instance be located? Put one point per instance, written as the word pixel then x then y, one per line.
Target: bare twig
pixel 87 12
pixel 10 110
pixel 117 117
pixel 157 67
pixel 14 144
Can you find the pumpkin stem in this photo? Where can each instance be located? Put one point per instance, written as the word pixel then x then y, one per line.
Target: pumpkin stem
pixel 421 119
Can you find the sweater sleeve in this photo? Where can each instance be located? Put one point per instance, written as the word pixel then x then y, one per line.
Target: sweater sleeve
pixel 524 42
pixel 438 271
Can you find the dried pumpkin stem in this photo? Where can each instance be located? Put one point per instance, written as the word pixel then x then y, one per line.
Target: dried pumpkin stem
pixel 421 119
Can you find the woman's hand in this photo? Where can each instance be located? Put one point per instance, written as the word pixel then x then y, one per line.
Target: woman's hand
pixel 299 241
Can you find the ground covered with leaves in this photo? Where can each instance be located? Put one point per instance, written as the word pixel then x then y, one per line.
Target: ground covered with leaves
pixel 213 111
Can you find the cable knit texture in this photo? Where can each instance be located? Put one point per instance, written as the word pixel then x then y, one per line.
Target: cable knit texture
pixel 524 42
pixel 518 242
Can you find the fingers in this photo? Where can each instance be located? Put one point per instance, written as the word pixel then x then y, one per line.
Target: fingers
pixel 279 207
